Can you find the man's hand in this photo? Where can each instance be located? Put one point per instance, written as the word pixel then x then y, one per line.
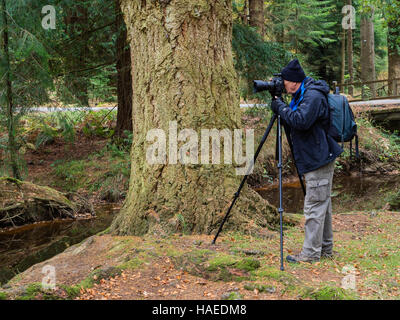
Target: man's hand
pixel 277 103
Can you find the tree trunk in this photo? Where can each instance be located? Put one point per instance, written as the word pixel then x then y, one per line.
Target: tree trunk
pixel 245 15
pixel 350 55
pixel 256 14
pixel 367 56
pixel 11 148
pixel 76 21
pixel 124 84
pixel 182 70
pixel 394 57
pixel 343 59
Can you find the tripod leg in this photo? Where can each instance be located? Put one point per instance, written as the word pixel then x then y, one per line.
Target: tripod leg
pixel 267 131
pixel 279 133
pixel 291 150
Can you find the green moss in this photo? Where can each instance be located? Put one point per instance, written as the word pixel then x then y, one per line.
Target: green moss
pixel 271 273
pixel 223 266
pixel 173 252
pixel 3 295
pixel 31 291
pixel 142 257
pixel 235 296
pixel 132 264
pixel 13 180
pixel 394 200
pixel 35 290
pixel 248 264
pixel 121 245
pixel 94 277
pixel 71 291
pixel 196 256
pixel 330 293
pixel 288 280
pixel 221 261
pixel 104 232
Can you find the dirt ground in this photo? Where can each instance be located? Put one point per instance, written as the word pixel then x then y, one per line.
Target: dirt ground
pixel 150 269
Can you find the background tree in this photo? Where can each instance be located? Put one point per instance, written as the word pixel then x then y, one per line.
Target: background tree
pixel 392 14
pixel 100 56
pixel 256 15
pixel 73 63
pixel 24 74
pixel 182 70
pixel 367 54
pixel 307 29
pixel 255 58
pixel 77 25
pixel 124 84
pixel 343 56
pixel 8 96
pixel 349 48
pixel 84 47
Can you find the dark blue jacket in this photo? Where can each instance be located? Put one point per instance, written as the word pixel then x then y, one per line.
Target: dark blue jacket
pixel 307 125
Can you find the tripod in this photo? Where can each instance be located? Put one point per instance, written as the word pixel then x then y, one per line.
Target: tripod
pixel 279 158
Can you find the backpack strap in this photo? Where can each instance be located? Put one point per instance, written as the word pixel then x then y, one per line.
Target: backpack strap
pixel 326 128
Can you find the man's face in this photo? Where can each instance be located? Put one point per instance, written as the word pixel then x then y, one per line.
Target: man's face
pixel 291 87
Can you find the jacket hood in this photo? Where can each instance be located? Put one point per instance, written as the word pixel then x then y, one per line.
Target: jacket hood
pixel 320 85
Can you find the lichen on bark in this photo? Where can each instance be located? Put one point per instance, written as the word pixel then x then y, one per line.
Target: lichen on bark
pixel 182 70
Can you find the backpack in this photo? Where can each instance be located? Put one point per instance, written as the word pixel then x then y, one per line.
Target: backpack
pixel 343 127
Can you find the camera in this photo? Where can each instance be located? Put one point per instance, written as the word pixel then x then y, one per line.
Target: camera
pixel 275 87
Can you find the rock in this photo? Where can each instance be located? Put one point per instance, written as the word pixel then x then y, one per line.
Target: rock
pixel 232 295
pixel 259 287
pixel 270 289
pixel 16 291
pixel 76 249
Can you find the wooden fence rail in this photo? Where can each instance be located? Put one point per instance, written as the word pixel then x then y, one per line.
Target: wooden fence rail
pixel 390 90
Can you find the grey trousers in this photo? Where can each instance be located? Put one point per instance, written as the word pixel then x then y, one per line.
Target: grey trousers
pixel 318 211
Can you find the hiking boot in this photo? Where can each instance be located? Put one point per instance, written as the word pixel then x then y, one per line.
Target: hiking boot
pixel 296 258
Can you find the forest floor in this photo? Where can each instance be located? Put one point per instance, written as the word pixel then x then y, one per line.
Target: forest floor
pixel 367 266
pixel 187 266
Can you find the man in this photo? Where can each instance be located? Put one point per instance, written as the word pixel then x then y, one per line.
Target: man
pixel 307 121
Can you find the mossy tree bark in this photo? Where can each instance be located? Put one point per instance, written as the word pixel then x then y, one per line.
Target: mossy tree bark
pixel 182 70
